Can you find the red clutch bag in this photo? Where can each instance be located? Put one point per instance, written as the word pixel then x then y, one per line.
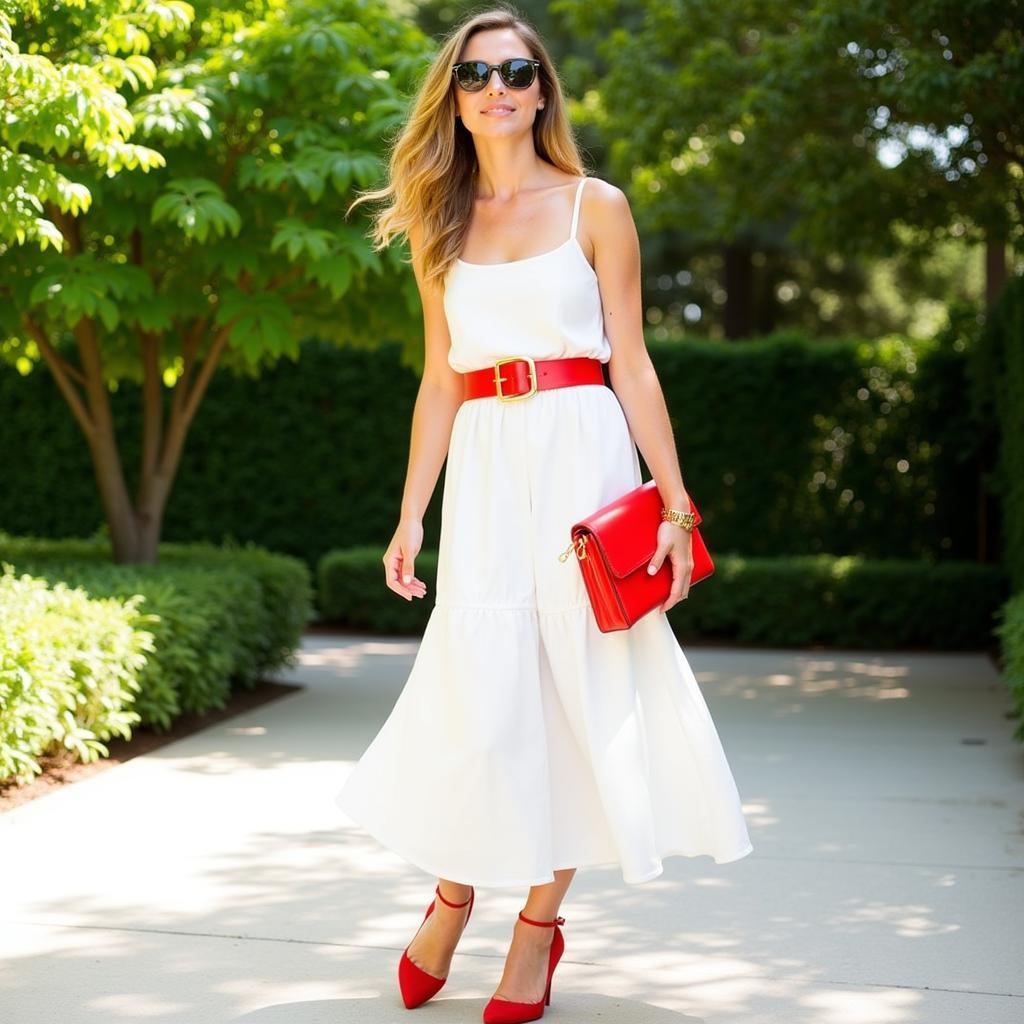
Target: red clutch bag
pixel 614 546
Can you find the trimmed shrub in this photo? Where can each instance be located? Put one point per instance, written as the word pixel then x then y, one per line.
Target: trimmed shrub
pixel 1011 634
pixel 224 615
pixel 785 601
pixel 69 670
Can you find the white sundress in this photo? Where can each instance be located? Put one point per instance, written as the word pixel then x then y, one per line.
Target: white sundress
pixel 525 740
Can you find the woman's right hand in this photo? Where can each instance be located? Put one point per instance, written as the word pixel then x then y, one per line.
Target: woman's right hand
pixel 399 558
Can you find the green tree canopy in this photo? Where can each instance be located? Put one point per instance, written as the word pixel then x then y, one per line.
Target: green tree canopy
pixel 176 179
pixel 838 124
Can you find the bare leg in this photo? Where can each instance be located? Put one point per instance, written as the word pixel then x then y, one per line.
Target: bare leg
pixel 433 946
pixel 526 965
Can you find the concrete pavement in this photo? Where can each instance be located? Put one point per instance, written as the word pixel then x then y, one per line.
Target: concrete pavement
pixel 214 881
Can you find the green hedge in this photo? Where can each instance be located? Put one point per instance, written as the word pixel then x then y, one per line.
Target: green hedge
pixel 789 445
pixel 226 615
pixel 781 602
pixel 997 378
pixel 1011 634
pixel 996 374
pixel 70 668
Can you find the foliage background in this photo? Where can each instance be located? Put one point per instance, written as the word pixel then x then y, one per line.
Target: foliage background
pixel 787 445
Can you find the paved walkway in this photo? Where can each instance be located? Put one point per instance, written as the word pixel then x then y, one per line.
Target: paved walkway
pixel 214 881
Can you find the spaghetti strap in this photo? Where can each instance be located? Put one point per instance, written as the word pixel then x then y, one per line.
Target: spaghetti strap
pixel 576 208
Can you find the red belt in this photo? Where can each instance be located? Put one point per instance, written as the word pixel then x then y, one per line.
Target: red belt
pixel 515 377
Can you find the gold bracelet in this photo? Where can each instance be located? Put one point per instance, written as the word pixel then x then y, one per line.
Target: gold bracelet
pixel 687 520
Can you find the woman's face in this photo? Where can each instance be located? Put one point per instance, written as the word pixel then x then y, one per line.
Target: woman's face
pixel 517 107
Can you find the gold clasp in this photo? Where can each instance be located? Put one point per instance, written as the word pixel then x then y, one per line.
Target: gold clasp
pixel 498 378
pixel 580 544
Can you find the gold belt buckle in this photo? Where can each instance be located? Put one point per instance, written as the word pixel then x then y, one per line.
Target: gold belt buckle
pixel 498 378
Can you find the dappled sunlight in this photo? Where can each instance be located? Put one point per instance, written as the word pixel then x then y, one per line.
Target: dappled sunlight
pixel 759 816
pixel 910 921
pixel 878 670
pixel 859 679
pixel 876 1006
pixel 137 1005
pixel 714 882
pixel 797 674
pixel 313 654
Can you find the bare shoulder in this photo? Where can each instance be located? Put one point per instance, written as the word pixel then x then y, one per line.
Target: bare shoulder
pixel 605 201
pixel 597 189
pixel 606 220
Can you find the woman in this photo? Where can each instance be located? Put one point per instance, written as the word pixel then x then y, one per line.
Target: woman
pixel 527 743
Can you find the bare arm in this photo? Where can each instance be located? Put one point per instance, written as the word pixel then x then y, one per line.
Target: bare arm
pixel 631 372
pixel 437 401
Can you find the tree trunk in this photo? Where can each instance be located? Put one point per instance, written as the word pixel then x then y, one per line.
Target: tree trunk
pixel 996 275
pixel 766 305
pixel 738 278
pixel 996 271
pixel 135 527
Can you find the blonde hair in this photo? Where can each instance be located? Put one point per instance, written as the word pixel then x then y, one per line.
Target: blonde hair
pixel 432 167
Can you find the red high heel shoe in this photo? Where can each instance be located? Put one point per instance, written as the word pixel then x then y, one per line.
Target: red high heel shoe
pixel 416 984
pixel 504 1011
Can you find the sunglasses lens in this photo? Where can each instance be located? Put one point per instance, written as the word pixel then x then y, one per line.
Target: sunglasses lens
pixel 471 75
pixel 518 73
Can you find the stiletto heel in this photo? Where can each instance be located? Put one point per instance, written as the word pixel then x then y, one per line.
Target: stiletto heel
pixel 504 1011
pixel 417 986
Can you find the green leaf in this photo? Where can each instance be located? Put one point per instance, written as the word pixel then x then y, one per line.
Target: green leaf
pixel 197 206
pixel 301 239
pixel 334 273
pixel 259 323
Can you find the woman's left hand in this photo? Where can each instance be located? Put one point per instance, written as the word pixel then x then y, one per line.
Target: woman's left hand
pixel 675 542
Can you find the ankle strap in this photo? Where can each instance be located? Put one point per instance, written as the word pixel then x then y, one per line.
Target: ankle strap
pixel 449 902
pixel 541 924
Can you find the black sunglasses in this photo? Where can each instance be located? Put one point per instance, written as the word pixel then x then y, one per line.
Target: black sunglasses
pixel 516 73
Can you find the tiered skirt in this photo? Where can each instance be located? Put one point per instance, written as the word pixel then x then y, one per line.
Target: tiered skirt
pixel 525 740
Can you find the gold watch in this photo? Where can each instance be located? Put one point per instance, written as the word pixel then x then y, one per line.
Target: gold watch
pixel 687 520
